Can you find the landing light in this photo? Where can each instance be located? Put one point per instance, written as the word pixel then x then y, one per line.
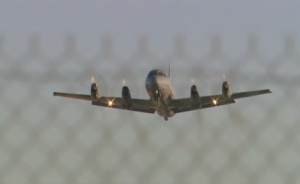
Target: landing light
pixel 215 102
pixel 110 102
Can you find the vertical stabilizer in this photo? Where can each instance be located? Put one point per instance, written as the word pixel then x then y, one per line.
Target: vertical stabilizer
pixel 170 69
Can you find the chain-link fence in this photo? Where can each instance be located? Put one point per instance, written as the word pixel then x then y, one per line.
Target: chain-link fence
pixel 52 140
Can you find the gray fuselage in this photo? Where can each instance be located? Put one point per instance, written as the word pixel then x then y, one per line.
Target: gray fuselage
pixel 160 91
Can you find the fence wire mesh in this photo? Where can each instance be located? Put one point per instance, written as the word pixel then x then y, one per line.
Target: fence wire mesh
pixel 51 140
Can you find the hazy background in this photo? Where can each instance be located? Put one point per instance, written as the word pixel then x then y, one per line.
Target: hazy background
pixel 159 20
pixel 48 46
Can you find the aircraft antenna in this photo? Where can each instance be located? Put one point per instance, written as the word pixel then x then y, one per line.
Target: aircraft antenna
pixel 170 69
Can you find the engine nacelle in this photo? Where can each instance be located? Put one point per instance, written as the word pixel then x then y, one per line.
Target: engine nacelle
pixel 126 98
pixel 226 90
pixel 126 93
pixel 195 97
pixel 94 91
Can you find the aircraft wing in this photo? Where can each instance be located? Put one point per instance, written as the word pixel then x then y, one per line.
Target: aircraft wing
pixel 183 105
pixel 74 96
pixel 139 105
pixel 203 106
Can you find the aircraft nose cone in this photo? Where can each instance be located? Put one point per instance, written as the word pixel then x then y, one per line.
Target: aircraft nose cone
pixel 155 81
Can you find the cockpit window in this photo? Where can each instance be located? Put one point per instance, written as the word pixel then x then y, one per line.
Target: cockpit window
pixel 152 73
pixel 159 73
pixel 162 74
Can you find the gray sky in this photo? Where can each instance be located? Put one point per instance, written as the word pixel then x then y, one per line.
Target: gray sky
pixel 160 21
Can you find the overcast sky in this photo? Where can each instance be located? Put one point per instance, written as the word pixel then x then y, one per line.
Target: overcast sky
pixel 160 20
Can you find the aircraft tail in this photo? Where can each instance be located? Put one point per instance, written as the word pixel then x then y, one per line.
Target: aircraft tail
pixel 170 69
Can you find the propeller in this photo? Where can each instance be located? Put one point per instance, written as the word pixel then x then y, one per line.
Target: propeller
pixel 192 81
pixel 224 78
pixel 108 92
pixel 84 83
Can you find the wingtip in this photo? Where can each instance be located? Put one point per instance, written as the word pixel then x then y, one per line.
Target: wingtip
pixel 54 93
pixel 269 91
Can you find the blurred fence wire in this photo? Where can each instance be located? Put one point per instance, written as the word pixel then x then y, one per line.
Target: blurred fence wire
pixel 52 140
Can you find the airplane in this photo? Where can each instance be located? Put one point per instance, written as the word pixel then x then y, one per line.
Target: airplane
pixel 162 99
